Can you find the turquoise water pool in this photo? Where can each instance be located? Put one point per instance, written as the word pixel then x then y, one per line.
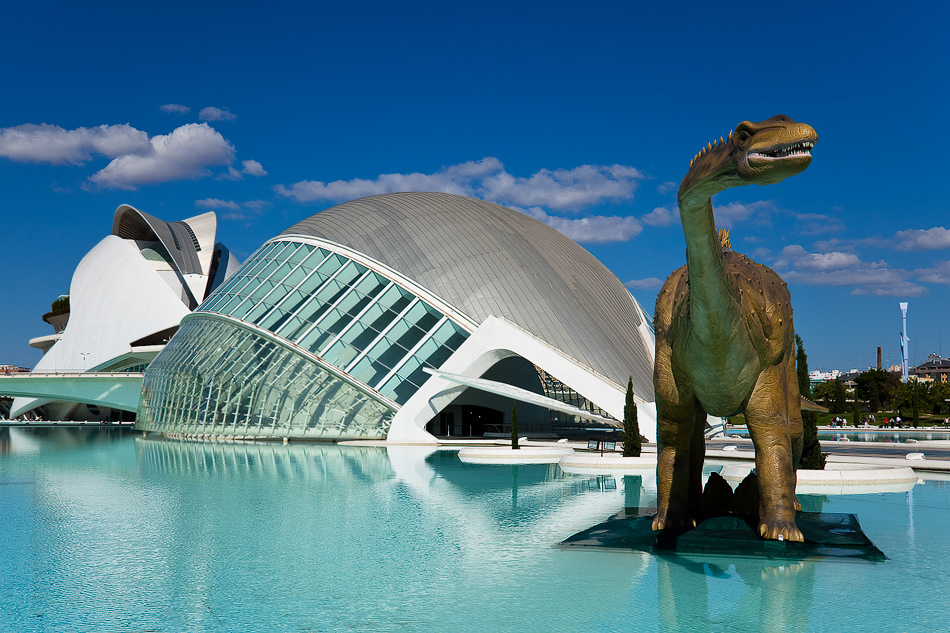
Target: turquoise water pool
pixel 868 436
pixel 113 532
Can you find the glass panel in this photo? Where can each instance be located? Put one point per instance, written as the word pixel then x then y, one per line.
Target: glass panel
pixel 400 389
pixel 450 335
pixel 292 328
pixel 301 253
pixel 361 334
pixel 432 353
pixel 282 271
pixel 387 352
pixel 340 354
pixel 274 319
pixel 296 276
pixel 217 378
pixel 259 310
pixel 333 263
pixel 369 371
pixel 282 251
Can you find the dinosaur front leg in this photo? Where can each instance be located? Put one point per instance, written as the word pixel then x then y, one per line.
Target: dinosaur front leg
pixel 770 426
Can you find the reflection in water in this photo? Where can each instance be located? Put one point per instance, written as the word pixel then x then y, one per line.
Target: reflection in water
pixel 696 595
pixel 387 523
pixel 108 532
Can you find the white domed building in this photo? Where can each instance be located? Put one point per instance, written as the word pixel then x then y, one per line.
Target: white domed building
pixel 126 300
pixel 405 316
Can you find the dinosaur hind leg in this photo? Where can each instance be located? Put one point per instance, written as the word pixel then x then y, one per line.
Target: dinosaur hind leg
pixel 771 428
pixel 674 472
pixel 677 473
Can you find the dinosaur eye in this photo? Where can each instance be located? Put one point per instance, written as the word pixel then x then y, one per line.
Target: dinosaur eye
pixel 743 133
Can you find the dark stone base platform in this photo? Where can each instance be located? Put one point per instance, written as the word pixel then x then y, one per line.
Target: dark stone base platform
pixel 827 536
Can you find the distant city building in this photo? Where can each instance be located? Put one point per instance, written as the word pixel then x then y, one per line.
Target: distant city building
pixel 936 369
pixel 126 299
pixel 404 316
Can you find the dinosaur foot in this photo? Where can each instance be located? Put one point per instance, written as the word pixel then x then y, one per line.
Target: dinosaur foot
pixel 673 519
pixel 778 529
pixel 798 505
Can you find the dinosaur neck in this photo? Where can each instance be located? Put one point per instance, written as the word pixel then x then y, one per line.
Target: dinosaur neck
pixel 713 298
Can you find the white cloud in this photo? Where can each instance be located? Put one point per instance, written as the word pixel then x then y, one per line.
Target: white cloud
pixel 845 269
pixel 52 144
pixel 257 204
pixel 216 114
pixel 650 283
pixel 661 216
pixel 797 257
pixel 666 187
pixel 939 274
pixel 596 229
pixel 564 189
pixel 814 223
pixel 186 153
pixel 459 179
pixel 560 189
pixel 923 240
pixel 849 244
pixel 253 168
pixel 214 203
pixel 728 215
pixel 175 108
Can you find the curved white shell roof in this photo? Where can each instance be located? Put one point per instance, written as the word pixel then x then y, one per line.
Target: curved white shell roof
pixel 487 260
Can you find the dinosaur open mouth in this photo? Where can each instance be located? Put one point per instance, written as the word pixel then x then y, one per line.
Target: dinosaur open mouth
pixel 800 148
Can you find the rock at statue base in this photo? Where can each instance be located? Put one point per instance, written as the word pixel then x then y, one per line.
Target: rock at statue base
pixel 717 497
pixel 745 500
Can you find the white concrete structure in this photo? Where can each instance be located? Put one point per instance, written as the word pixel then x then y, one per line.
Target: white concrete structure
pixel 126 299
pixel 405 316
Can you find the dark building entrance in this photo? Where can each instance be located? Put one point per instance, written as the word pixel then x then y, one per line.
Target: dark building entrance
pixel 467 420
pixel 477 420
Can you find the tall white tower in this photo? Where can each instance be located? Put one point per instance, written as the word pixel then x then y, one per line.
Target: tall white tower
pixel 904 342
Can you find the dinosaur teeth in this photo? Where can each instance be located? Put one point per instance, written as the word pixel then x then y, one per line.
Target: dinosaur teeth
pixel 802 148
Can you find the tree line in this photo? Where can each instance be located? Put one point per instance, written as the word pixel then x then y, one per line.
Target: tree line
pixel 876 390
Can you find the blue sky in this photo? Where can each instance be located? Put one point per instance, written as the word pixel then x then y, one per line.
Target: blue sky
pixel 584 117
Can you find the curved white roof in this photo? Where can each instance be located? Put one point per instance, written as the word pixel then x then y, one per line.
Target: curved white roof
pixel 487 260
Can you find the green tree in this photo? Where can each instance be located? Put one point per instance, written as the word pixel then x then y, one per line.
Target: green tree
pixel 839 401
pixel 941 395
pixel 824 393
pixel 514 426
pixel 912 396
pixel 632 444
pixel 878 387
pixel 812 457
pixel 801 368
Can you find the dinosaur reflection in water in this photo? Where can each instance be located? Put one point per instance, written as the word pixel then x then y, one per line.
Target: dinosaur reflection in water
pixel 773 599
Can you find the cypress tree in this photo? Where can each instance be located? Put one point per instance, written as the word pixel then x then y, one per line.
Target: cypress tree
pixel 514 426
pixel 838 403
pixel 631 428
pixel 812 457
pixel 801 368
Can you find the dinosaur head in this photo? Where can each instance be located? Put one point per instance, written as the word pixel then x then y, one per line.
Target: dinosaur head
pixel 771 151
pixel 762 153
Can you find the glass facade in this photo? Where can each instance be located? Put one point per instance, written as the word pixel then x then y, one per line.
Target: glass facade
pixel 317 302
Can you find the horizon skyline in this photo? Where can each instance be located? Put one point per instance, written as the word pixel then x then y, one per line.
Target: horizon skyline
pixel 584 119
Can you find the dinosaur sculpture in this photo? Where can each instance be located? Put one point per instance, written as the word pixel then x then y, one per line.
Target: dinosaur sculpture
pixel 724 336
